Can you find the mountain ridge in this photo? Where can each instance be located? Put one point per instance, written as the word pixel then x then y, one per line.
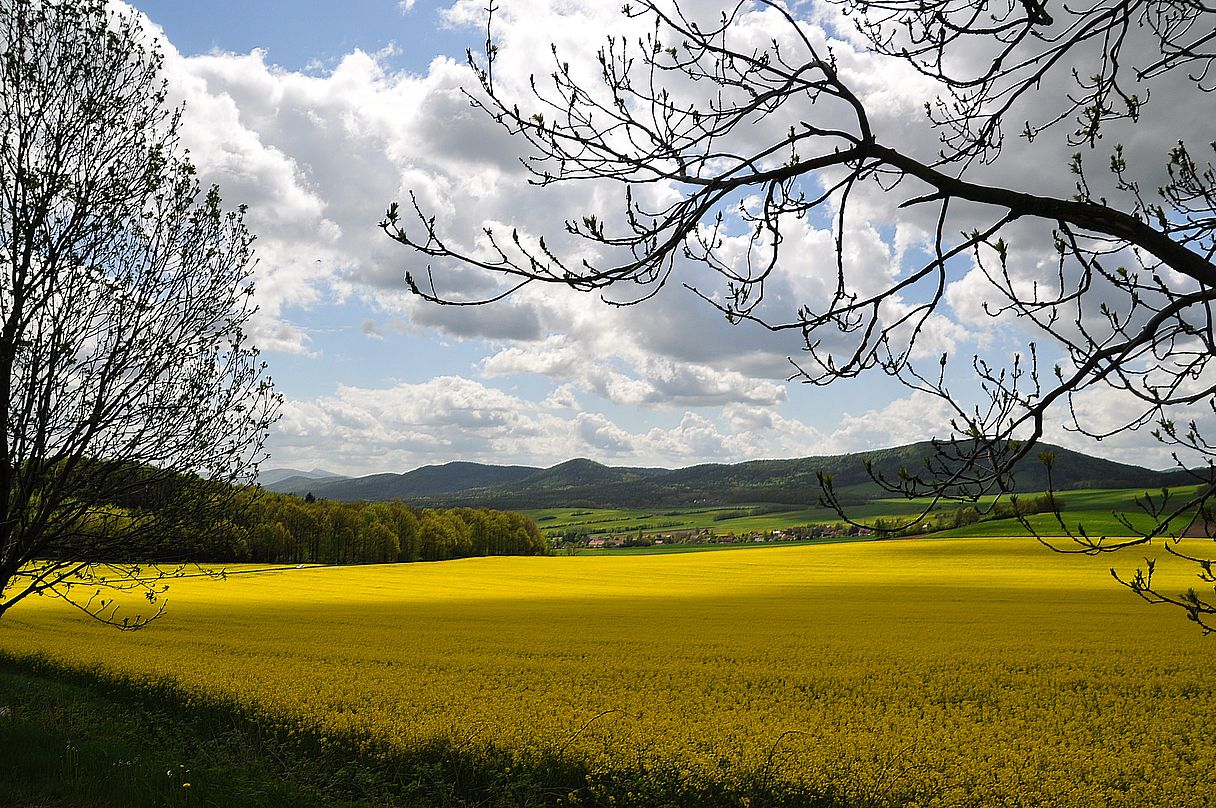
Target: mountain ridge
pixel 270 476
pixel 587 483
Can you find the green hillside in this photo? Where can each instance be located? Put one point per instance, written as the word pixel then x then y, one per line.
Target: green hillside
pixel 795 482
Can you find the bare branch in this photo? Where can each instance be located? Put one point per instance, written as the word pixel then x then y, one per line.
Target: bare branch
pixel 1126 309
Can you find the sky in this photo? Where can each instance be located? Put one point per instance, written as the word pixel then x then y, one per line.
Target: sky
pixel 317 115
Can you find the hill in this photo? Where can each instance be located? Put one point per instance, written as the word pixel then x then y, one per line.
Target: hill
pixel 423 483
pixel 271 476
pixel 583 482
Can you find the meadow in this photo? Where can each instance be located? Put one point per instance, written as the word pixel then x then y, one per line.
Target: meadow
pixel 742 518
pixel 939 672
pixel 1095 508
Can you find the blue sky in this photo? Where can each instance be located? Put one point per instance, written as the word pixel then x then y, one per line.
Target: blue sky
pixel 311 35
pixel 319 114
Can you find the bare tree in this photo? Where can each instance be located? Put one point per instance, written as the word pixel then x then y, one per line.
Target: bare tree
pixel 770 135
pixel 130 398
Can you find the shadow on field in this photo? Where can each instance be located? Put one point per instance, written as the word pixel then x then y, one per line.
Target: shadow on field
pixel 73 737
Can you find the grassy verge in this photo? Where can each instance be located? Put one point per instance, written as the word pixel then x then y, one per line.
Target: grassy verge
pixel 79 738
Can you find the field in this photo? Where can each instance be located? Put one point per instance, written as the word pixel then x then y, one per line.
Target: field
pixel 631 520
pixel 1095 508
pixel 929 672
pixel 755 517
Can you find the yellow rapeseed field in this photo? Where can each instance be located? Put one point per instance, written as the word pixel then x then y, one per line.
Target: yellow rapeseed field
pixel 948 672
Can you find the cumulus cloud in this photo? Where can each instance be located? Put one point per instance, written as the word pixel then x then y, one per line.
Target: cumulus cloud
pixel 365 429
pixel 905 420
pixel 649 381
pixel 603 436
pixel 563 397
pixel 318 156
pixel 508 321
pixel 360 430
pixel 1126 426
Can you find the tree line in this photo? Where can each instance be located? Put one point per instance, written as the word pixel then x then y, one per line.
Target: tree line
pixel 285 529
pixel 267 527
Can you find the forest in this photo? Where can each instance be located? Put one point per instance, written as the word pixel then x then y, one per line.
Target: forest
pixel 284 529
pixel 266 527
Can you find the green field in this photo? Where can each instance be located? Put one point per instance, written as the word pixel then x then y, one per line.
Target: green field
pixel 597 521
pixel 1095 509
pixel 668 549
pixel 766 517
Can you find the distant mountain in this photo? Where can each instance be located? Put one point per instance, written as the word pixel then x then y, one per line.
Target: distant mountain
pixel 269 476
pixel 424 483
pixel 581 474
pixel 586 483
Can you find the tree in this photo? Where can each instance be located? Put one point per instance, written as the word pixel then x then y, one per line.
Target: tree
pixel 131 400
pixel 443 535
pixel 719 134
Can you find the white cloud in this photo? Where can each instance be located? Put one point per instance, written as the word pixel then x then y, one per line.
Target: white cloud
pixel 364 430
pixel 563 397
pixel 1103 410
pixel 319 156
pixel 361 430
pixel 651 381
pixel 905 420
pixel 605 438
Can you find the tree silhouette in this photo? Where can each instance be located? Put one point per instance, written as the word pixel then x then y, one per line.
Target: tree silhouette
pixel 130 398
pixel 1114 279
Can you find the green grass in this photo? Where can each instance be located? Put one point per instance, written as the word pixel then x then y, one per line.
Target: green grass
pixel 620 521
pixel 1094 509
pixel 630 520
pixel 65 743
pixel 667 549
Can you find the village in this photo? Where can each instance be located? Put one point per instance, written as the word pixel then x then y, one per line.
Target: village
pixel 604 541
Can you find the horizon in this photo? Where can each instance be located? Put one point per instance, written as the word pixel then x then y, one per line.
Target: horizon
pixel 442 464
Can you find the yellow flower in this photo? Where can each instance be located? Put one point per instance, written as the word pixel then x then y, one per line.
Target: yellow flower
pixel 938 672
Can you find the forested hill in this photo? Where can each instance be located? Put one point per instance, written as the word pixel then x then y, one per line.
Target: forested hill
pixel 584 482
